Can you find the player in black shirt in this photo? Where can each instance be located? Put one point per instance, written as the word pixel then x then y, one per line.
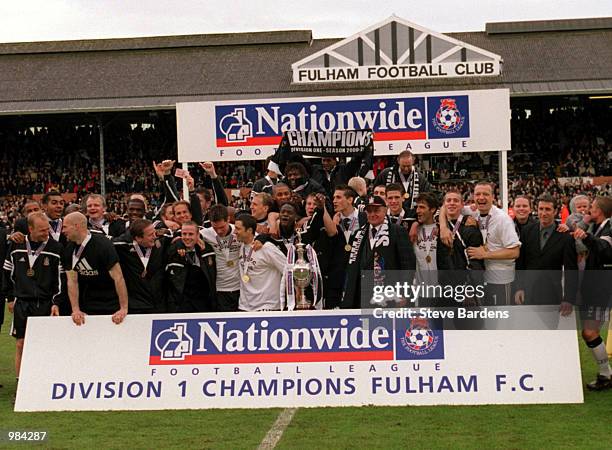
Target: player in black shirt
pixel 95 281
pixel 142 259
pixel 33 277
pixel 191 273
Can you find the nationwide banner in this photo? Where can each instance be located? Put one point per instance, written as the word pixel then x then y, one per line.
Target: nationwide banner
pixel 432 122
pixel 297 359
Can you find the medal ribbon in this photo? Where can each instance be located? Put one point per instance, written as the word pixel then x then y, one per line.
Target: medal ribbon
pixel 427 239
pixel 246 258
pixel 32 256
pixel 407 183
pixel 77 255
pixel 397 220
pixel 144 258
pixel 484 228
pixel 457 225
pixel 347 232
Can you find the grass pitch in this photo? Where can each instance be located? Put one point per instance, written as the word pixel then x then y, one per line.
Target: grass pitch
pixel 586 426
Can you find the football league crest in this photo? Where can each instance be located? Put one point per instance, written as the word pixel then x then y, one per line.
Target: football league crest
pixel 448 118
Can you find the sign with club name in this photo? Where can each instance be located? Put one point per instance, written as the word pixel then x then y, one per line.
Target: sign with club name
pixel 403 72
pixel 297 359
pixel 396 49
pixel 433 122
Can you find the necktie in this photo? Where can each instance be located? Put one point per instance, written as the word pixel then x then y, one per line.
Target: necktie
pixel 545 235
pixel 54 224
pixel 373 233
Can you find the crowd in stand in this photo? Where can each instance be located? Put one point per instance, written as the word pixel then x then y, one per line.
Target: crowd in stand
pixel 569 142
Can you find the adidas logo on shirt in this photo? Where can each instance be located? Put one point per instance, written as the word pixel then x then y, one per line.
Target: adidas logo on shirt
pixel 84 269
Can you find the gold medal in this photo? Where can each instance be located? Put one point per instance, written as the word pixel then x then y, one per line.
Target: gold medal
pixel 347 247
pixel 428 259
pixel 406 195
pixel 246 278
pixel 230 263
pixel 30 272
pixel 143 274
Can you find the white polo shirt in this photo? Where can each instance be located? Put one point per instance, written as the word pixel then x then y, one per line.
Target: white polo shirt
pixel 227 252
pixel 497 232
pixel 264 269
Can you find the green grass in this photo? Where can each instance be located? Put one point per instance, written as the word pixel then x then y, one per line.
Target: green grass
pixel 512 427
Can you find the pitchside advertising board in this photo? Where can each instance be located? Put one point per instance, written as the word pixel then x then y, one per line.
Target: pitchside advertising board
pixel 435 122
pixel 302 359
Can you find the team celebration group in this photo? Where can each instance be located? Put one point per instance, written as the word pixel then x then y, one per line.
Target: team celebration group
pixel 316 236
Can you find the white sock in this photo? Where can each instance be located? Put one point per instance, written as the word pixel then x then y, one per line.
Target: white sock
pixel 601 356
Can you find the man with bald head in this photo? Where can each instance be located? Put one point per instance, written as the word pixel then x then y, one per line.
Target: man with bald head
pixel 32 278
pixel 95 281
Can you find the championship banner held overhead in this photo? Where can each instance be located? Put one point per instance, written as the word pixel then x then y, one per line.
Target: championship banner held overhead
pixel 332 143
pixel 433 122
pixel 300 359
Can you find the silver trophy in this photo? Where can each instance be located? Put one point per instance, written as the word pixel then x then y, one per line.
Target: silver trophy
pixel 302 275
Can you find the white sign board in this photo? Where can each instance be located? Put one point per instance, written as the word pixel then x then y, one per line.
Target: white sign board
pixel 322 358
pixel 433 122
pixel 395 49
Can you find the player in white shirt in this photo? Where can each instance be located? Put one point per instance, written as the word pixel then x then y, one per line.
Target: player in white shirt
pixel 261 271
pixel 501 245
pixel 222 238
pixel 425 247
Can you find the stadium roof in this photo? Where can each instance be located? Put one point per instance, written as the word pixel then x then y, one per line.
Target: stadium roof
pixel 539 58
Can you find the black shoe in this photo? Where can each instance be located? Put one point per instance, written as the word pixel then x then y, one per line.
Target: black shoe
pixel 601 383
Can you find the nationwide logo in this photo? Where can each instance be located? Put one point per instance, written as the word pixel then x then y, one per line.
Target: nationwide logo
pixel 317 338
pixel 173 343
pixel 236 127
pixel 391 119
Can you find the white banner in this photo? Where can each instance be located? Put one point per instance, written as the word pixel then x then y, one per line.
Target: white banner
pixel 323 358
pixel 432 122
pixel 577 181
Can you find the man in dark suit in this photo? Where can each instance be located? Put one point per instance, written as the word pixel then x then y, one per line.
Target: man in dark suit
pixel 544 252
pixel 377 248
